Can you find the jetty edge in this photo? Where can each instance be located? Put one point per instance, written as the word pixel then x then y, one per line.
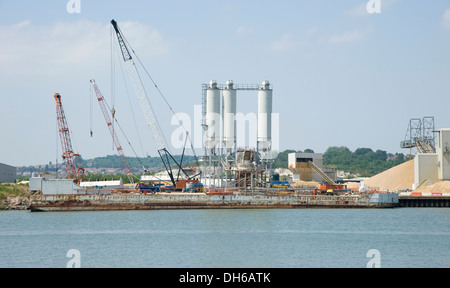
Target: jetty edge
pixel 110 202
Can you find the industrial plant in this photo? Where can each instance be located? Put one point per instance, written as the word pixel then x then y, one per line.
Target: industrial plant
pixel 227 175
pixel 224 165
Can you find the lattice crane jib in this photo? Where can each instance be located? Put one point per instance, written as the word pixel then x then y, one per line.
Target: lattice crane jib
pixel 140 91
pixel 146 107
pixel 101 102
pixel 72 160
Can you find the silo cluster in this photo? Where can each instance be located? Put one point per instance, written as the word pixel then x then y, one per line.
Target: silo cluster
pixel 224 121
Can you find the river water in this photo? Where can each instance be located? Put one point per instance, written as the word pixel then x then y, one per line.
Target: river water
pixel 401 237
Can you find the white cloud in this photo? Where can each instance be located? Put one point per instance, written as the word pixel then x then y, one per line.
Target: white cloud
pixel 38 60
pixel 228 8
pixel 22 24
pixel 346 37
pixel 49 49
pixel 446 19
pixel 350 36
pixel 358 11
pixel 145 39
pixel 311 31
pixel 286 42
pixel 244 30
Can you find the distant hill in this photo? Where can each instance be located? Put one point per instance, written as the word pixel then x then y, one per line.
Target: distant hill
pixel 113 161
pixel 110 164
pixel 363 162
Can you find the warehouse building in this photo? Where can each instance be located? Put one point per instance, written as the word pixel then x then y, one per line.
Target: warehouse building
pixel 309 167
pixel 8 173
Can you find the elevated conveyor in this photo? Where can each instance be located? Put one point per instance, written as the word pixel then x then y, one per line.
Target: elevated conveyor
pixel 425 147
pixel 321 173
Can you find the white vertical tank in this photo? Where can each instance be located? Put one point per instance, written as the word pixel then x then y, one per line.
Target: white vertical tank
pixel 212 115
pixel 229 115
pixel 264 116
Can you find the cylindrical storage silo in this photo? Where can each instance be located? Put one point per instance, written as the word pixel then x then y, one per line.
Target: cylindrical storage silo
pixel 229 115
pixel 264 116
pixel 212 115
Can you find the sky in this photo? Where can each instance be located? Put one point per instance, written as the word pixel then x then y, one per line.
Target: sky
pixel 341 76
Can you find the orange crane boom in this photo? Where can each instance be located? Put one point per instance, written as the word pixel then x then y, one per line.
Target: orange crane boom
pixel 72 160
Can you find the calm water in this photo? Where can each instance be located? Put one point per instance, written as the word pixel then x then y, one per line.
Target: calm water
pixel 408 237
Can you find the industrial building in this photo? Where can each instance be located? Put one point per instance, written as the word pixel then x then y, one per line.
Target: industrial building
pixel 48 184
pixel 102 184
pixel 434 167
pixel 309 167
pixel 225 164
pixel 8 173
pixel 36 180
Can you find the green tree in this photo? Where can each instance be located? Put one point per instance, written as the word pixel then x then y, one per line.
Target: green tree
pixel 363 161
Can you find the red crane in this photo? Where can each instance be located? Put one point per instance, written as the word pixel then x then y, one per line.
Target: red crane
pixel 72 160
pixel 101 102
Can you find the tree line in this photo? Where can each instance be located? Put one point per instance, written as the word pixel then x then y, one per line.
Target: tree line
pixel 362 161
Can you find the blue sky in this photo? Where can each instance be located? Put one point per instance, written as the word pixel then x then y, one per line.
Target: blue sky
pixel 341 76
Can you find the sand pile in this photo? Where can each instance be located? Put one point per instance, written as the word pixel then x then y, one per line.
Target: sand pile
pixel 438 187
pixel 400 177
pixel 352 185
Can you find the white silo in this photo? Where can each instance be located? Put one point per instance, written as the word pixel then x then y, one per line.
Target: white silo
pixel 212 116
pixel 229 115
pixel 264 116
